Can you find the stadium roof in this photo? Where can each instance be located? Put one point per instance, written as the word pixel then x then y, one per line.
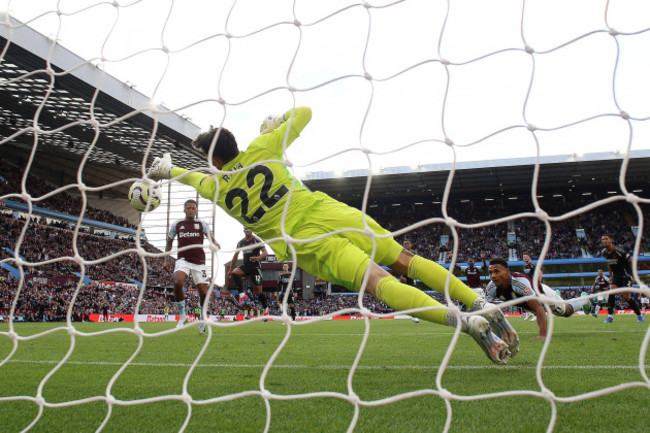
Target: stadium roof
pixel 127 120
pixel 596 173
pixel 68 99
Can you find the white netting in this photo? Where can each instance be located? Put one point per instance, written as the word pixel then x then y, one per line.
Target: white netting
pixel 492 79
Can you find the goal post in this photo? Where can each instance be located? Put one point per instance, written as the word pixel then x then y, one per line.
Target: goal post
pixel 91 92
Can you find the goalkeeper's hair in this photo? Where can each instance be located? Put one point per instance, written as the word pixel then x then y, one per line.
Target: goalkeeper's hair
pixel 499 261
pixel 225 146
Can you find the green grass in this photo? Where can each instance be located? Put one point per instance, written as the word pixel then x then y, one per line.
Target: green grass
pixel 399 358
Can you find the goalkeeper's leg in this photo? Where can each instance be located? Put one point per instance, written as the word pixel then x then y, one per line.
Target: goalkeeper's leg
pixel 435 277
pixel 403 297
pixel 336 259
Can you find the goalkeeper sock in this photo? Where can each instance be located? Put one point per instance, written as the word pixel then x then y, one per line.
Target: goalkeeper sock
pixel 404 297
pixel 293 313
pixel 434 276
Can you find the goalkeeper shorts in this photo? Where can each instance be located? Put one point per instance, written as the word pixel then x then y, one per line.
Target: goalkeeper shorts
pixel 342 258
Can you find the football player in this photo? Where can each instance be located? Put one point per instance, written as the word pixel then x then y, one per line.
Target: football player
pixel 506 285
pixel 256 188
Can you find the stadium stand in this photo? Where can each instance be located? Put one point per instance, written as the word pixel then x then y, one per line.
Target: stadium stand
pixel 399 197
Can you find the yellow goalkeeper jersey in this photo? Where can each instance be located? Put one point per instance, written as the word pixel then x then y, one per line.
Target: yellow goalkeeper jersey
pixel 259 185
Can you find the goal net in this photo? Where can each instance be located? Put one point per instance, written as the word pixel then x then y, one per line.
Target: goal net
pixel 428 116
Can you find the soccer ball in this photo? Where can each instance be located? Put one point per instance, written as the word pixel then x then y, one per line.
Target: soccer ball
pixel 243 297
pixel 142 194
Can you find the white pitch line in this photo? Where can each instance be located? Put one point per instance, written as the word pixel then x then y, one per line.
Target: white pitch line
pixel 339 367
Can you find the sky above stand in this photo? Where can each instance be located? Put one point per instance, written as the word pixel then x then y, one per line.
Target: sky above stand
pixel 390 84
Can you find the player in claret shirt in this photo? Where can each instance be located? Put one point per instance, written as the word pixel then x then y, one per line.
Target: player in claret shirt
pixel 473 274
pixel 190 231
pixel 601 283
pixel 334 242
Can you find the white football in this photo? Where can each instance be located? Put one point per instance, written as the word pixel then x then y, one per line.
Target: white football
pixel 145 197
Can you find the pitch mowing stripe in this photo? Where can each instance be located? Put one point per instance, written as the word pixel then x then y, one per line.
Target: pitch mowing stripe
pixel 434 333
pixel 339 367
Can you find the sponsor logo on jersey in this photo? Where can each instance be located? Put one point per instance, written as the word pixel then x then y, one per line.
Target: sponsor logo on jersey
pixel 189 235
pixel 206 179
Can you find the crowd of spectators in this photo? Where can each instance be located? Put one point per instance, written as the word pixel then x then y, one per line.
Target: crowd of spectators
pixel 49 248
pixel 10 183
pixel 615 219
pixel 38 302
pixel 44 245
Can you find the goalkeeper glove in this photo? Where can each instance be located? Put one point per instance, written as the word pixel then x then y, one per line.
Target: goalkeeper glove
pixel 271 123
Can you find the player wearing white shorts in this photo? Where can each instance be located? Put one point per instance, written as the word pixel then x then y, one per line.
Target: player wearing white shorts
pixel 190 231
pixel 601 283
pixel 506 285
pixel 644 301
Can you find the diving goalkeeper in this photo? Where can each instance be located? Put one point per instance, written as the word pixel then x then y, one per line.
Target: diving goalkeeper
pixel 255 187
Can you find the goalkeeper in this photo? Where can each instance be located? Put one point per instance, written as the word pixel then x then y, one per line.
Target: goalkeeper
pixel 255 186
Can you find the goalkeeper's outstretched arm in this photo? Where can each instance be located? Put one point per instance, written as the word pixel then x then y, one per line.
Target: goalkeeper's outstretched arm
pixel 274 128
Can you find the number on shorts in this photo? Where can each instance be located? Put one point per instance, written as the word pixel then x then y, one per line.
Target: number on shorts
pixel 269 200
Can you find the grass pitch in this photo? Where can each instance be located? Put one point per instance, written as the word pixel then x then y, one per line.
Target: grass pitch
pixel 396 379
